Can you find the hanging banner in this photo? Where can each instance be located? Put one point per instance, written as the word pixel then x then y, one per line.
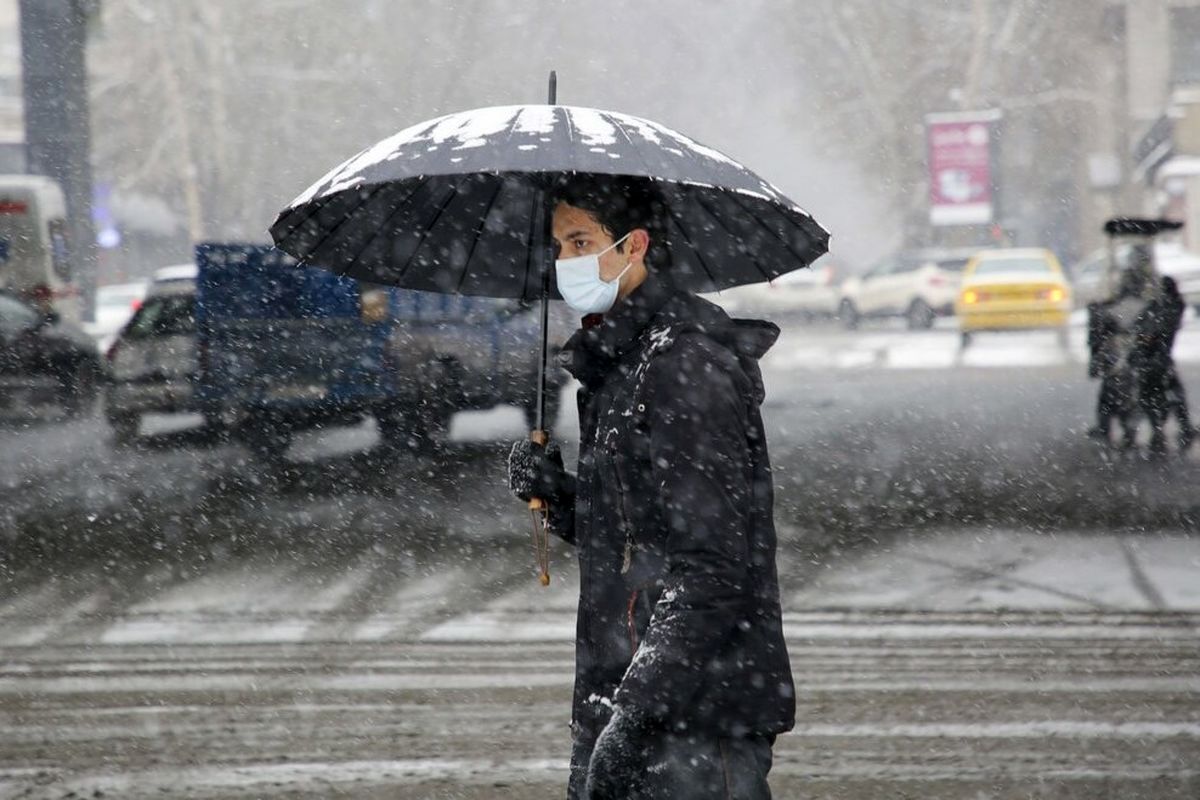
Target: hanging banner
pixel 960 167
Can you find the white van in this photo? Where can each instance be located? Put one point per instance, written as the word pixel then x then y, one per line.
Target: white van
pixel 33 244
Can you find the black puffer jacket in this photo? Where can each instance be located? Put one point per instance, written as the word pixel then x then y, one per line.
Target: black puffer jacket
pixel 679 612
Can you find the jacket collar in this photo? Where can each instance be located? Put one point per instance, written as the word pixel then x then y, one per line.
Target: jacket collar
pixel 592 351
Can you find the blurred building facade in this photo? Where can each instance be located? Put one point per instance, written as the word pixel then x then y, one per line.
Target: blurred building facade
pixel 12 120
pixel 1162 111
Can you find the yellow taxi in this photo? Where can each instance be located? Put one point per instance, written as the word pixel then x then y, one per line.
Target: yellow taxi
pixel 1013 289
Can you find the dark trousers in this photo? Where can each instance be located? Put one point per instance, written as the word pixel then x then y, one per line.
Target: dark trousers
pixel 1117 402
pixel 689 768
pixel 1177 399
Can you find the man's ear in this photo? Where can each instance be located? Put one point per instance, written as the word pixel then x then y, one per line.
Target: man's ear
pixel 639 243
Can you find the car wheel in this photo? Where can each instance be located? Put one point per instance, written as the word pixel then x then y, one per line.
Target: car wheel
pixel 81 389
pixel 848 314
pixel 920 316
pixel 124 428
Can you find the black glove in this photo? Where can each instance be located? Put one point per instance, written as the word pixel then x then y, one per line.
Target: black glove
pixel 537 471
pixel 619 758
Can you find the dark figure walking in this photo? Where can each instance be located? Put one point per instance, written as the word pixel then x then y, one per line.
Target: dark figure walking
pixel 682 678
pixel 1160 392
pixel 1111 340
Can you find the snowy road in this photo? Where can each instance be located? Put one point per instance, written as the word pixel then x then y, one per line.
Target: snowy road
pixel 979 603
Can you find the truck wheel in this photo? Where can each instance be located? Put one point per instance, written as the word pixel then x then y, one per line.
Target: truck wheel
pixel 920 316
pixel 395 428
pixel 848 314
pixel 268 442
pixel 124 428
pixel 553 402
pixel 214 427
pixel 413 429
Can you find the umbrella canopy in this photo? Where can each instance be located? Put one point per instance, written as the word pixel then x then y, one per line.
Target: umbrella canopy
pixel 452 205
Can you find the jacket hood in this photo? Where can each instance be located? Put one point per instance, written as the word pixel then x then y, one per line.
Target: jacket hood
pixel 748 339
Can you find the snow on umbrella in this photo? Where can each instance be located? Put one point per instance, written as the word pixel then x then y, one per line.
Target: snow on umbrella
pixel 452 205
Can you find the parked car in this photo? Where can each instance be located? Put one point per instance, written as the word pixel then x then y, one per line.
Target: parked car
pixel 45 360
pixel 918 285
pixel 153 364
pixel 1090 277
pixel 809 293
pixel 1013 289
pixel 115 305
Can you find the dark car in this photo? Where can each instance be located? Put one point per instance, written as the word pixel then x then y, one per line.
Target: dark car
pixel 154 360
pixel 45 360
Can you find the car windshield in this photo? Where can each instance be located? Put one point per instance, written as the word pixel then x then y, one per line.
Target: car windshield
pixel 952 264
pixel 1002 266
pixel 164 316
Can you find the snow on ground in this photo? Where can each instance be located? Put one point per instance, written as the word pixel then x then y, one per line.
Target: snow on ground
pixel 889 346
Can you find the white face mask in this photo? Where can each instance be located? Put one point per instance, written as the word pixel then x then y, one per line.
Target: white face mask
pixel 581 286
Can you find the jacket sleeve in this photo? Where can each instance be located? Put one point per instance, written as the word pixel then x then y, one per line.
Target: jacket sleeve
pixel 700 456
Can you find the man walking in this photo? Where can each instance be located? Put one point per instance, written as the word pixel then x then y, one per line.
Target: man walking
pixel 682 676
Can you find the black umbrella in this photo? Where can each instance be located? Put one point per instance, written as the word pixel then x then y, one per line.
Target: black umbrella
pixel 458 204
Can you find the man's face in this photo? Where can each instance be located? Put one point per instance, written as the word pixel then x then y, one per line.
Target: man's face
pixel 577 233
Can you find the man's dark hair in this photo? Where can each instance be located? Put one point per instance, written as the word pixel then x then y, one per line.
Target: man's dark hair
pixel 621 204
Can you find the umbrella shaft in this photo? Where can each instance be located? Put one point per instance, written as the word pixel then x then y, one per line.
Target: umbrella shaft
pixel 545 252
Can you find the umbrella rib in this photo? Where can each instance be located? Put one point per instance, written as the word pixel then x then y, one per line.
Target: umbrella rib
pixel 313 208
pixel 400 206
pixel 346 218
pixel 534 222
pixel 429 229
pixel 720 222
pixel 754 257
pixel 478 234
pixel 699 253
pixel 616 123
pixel 783 240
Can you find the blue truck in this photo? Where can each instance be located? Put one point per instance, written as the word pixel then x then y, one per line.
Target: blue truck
pixel 283 348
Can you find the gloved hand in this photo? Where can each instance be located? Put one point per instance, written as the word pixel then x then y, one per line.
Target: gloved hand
pixel 619 759
pixel 537 471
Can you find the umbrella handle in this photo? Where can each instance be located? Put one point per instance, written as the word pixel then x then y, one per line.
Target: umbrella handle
pixel 541 438
pixel 539 510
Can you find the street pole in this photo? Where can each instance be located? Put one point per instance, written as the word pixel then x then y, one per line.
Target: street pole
pixel 57 127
